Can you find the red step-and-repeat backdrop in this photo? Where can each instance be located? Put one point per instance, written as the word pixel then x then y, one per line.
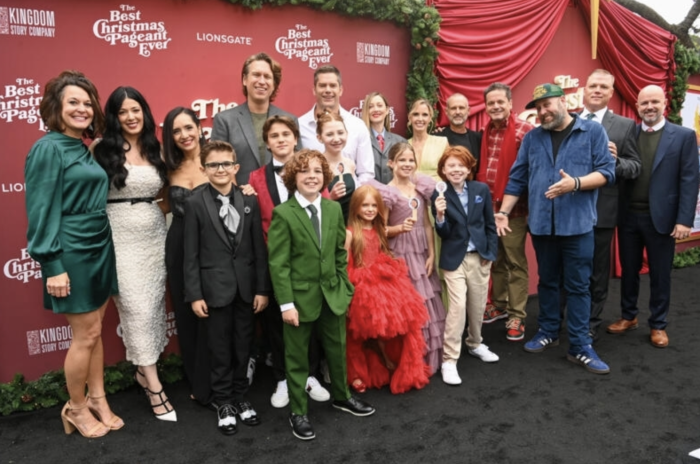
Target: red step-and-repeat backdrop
pixel 175 53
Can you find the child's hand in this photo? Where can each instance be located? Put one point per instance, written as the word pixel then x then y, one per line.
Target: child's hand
pixel 248 190
pixel 291 317
pixel 440 207
pixel 259 303
pixel 485 262
pixel 407 224
pixel 338 191
pixel 429 265
pixel 200 308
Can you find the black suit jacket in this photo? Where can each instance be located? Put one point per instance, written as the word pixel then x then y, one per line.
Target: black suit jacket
pixel 215 268
pixel 622 132
pixel 235 126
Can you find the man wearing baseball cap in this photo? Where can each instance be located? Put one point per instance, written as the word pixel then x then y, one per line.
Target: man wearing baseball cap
pixel 561 164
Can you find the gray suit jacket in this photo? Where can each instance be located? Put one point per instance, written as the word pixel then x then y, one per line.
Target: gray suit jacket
pixel 235 126
pixel 382 172
pixel 621 131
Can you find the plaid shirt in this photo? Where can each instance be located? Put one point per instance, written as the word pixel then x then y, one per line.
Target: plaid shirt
pixel 495 140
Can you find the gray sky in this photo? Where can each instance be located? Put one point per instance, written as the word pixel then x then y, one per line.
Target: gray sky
pixel 673 11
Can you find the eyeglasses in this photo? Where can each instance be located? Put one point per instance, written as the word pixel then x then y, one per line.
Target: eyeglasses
pixel 227 165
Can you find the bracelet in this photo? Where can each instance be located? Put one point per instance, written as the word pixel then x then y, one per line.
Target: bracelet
pixel 577 184
pixel 503 213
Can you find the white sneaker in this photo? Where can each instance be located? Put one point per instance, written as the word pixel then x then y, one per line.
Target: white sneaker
pixel 280 398
pixel 482 352
pixel 251 370
pixel 449 374
pixel 315 390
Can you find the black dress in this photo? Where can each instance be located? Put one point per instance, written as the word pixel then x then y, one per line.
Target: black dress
pixel 190 332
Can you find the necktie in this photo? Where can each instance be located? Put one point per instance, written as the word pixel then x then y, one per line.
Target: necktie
pixel 590 116
pixel 314 221
pixel 380 139
pixel 229 214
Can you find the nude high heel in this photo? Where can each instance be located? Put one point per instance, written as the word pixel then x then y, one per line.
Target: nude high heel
pixel 115 424
pixel 69 426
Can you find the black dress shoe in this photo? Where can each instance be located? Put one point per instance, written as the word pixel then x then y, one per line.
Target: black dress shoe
pixel 354 406
pixel 246 413
pixel 227 419
pixel 301 427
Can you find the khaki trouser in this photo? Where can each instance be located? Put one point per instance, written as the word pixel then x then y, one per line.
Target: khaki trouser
pixel 509 272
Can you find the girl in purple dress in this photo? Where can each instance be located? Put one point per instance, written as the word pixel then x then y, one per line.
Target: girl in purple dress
pixel 410 234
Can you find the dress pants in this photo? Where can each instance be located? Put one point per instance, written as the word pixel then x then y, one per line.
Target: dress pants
pixel 636 232
pixel 331 333
pixel 509 272
pixel 275 335
pixel 600 277
pixel 571 256
pixel 467 289
pixel 229 332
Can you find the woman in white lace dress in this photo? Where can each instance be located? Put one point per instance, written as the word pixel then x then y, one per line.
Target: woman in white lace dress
pixel 130 153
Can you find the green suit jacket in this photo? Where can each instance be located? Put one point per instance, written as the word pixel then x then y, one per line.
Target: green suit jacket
pixel 302 271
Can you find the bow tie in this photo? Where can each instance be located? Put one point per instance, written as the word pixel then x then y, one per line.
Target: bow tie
pixel 229 214
pixel 277 168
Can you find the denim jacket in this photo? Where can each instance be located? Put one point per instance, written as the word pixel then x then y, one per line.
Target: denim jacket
pixel 583 151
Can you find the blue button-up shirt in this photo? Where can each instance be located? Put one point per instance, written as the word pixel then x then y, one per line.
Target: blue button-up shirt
pixel 583 151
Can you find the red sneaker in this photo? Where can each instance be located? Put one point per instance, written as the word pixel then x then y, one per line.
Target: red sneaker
pixel 492 314
pixel 516 329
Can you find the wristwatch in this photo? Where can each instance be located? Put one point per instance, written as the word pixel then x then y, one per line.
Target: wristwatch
pixel 503 213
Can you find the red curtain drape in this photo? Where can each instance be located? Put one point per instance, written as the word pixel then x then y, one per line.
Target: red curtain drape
pixel 636 51
pixel 485 41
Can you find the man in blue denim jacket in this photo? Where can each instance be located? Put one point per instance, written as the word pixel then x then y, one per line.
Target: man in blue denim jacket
pixel 561 164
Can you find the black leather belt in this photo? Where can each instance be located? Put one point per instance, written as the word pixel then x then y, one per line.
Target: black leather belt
pixel 133 201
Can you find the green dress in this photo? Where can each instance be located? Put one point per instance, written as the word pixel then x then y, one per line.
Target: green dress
pixel 66 196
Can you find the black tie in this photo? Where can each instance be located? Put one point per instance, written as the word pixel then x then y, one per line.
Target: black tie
pixel 277 169
pixel 314 222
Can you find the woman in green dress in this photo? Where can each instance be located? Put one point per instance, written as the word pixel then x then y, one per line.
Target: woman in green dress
pixel 69 235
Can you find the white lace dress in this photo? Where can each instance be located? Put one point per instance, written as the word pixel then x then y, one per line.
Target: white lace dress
pixel 139 231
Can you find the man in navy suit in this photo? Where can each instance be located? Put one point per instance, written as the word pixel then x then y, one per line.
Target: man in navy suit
pixel 657 209
pixel 242 125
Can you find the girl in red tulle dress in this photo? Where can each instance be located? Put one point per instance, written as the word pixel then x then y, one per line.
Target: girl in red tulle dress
pixel 385 343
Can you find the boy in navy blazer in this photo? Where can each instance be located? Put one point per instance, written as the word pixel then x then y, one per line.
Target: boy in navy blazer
pixel 464 221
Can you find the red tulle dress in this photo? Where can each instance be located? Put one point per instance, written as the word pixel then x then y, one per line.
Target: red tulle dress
pixel 385 306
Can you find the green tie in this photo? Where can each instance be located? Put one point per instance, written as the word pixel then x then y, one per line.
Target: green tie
pixel 314 222
pixel 590 116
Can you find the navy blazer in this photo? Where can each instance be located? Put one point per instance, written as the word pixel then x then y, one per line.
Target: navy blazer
pixel 458 227
pixel 673 190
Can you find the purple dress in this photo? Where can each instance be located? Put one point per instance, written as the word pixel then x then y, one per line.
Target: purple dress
pixel 413 248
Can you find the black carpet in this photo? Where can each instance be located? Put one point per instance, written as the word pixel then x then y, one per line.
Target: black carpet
pixel 527 408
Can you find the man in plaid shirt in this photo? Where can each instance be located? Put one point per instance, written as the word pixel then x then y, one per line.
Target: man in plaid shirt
pixel 499 147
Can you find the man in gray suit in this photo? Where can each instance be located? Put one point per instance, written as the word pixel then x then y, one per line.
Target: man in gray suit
pixel 242 125
pixel 623 146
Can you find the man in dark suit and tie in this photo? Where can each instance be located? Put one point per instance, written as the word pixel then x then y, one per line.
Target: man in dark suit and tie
pixel 658 208
pixel 226 279
pixel 623 146
pixel 241 126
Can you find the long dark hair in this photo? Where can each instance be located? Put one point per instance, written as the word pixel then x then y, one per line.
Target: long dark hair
pixel 173 154
pixel 110 152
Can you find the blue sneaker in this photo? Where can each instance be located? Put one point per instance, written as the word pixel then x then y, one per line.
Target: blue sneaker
pixel 540 342
pixel 586 356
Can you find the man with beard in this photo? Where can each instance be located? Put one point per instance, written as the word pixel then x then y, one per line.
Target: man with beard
pixel 658 208
pixel 457 134
pixel 561 164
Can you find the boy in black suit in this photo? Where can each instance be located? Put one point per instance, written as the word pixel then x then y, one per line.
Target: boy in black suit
pixel 226 278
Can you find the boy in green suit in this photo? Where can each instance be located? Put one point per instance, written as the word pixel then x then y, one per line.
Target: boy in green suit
pixel 308 267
